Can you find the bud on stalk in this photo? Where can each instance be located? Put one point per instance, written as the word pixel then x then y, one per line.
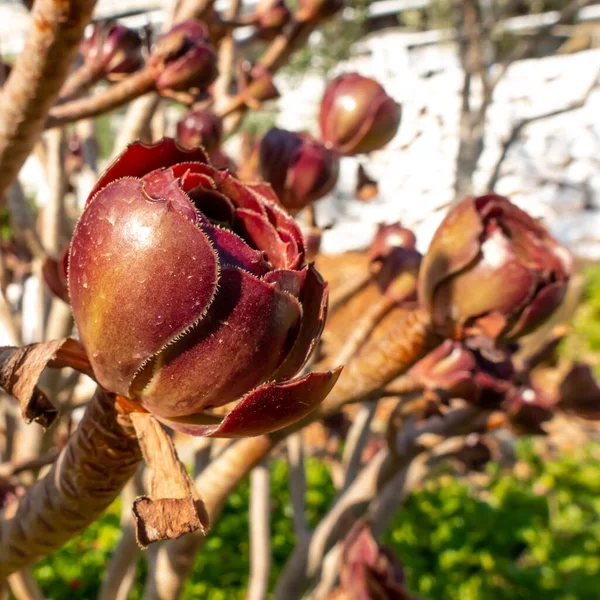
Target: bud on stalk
pixel 200 128
pixel 492 269
pixel 190 291
pixel 300 169
pixel 357 116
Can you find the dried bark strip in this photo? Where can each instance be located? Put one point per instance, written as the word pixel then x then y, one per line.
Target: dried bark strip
pixel 175 507
pixel 101 456
pixel 53 38
pixel 20 370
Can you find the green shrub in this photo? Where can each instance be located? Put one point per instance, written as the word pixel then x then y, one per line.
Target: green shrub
pixel 522 537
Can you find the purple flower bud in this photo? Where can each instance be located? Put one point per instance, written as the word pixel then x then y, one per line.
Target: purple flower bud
pixel 357 116
pixel 184 58
pixel 579 393
pixel 200 128
pixel 113 49
pixel 270 18
pixel 491 268
pixel 300 169
pixel 190 291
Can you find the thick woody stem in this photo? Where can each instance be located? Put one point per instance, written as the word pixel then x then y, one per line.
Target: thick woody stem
pixel 53 38
pixel 391 356
pixel 99 459
pixel 113 97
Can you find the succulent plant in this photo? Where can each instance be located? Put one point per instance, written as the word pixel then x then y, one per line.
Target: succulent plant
pixel 300 169
pixel 357 116
pixel 200 128
pixel 113 49
pixel 270 16
pixel 183 58
pixel 190 291
pixel 491 268
pixel 455 371
pixel 369 571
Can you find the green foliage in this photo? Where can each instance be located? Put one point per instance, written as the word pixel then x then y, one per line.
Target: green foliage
pixel 531 535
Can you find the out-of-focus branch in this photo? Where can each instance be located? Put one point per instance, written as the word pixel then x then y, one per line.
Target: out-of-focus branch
pixel 23 586
pixel 300 569
pixel 297 483
pixel 119 575
pixel 355 442
pixel 260 532
pixel 98 460
pixel 117 95
pixel 54 211
pixel 193 9
pixel 51 43
pixel 23 221
pixel 518 128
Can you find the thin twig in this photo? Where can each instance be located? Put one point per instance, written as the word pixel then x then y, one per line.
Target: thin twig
pixel 518 128
pixel 297 483
pixel 355 442
pixel 260 532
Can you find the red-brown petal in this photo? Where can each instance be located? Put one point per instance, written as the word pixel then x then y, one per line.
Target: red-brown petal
pixel 264 236
pixel 139 274
pixel 239 344
pixel 454 245
pixel 140 159
pixel 314 299
pixel 162 185
pixel 234 252
pixel 288 281
pixel 268 408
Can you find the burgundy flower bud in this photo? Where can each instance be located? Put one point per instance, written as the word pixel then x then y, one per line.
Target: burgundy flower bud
pixel 189 290
pixel 200 128
pixel 475 453
pixel 5 70
pixel 527 411
pixel 184 58
pixel 300 169
pixel 256 84
pixel 220 160
pixel 492 268
pixel 398 274
pixel 249 170
pixel 317 10
pixel 113 49
pixel 579 394
pixel 389 237
pixel 455 371
pixel 369 570
pixel 270 16
pixel 54 273
pixel 357 116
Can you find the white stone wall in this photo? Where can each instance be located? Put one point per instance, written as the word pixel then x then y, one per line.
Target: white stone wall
pixel 553 170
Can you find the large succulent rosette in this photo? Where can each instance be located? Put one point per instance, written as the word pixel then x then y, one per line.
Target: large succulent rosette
pixel 190 292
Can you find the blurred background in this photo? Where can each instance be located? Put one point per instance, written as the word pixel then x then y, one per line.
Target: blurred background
pixel 500 519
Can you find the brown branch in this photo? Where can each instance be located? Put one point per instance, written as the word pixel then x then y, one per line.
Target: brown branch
pixel 111 98
pixel 99 459
pixel 50 45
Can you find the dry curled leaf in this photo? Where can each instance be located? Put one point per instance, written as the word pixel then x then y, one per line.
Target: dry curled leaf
pixel 20 370
pixel 175 507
